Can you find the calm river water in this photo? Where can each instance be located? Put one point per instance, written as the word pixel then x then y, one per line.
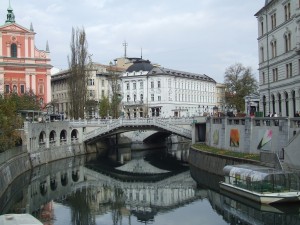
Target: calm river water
pixel 148 187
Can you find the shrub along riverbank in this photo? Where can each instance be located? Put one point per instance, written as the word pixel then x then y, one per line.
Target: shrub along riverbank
pixel 217 151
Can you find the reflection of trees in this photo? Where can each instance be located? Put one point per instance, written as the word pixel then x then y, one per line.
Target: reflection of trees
pixel 80 208
pixel 117 205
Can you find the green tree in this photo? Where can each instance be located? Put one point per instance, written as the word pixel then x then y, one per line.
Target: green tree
pixel 240 82
pixel 10 120
pixel 79 73
pixel 104 107
pixel 115 99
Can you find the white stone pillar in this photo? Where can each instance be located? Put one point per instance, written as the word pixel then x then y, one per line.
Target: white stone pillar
pixel 26 47
pixel 297 96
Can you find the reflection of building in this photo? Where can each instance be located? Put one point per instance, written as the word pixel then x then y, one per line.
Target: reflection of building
pixel 279 59
pixel 23 68
pixel 154 91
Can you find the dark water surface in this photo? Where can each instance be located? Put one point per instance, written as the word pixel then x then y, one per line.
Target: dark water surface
pixel 148 187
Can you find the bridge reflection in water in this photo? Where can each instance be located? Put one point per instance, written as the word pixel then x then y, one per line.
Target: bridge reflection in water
pixel 156 188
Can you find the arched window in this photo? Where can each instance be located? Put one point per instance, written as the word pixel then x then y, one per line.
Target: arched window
pixel 13 50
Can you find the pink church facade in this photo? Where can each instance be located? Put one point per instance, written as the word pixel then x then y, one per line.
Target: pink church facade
pixel 23 67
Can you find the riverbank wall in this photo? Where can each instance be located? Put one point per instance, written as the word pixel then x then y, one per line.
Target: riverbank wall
pixel 213 163
pixel 14 164
pixel 12 168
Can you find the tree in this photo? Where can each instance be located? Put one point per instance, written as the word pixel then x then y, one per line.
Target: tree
pixel 10 121
pixel 104 107
pixel 115 98
pixel 239 82
pixel 79 73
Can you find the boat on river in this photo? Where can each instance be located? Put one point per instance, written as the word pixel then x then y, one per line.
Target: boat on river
pixel 19 219
pixel 261 184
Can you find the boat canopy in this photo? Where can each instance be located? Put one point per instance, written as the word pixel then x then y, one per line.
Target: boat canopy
pixel 260 179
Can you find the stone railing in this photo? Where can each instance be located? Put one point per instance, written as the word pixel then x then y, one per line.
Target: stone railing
pixel 164 123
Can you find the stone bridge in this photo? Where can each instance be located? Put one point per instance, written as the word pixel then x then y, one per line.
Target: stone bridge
pixel 96 129
pixel 46 136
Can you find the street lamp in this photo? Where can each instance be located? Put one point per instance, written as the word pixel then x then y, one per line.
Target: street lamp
pixel 248 105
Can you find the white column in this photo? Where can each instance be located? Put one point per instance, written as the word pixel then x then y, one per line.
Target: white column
pixel 297 100
pixel 32 48
pixel 1 50
pixel 26 47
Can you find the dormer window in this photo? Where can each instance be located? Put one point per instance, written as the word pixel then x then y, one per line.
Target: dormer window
pixel 13 50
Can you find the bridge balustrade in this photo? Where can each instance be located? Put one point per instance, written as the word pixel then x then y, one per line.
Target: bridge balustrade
pixel 164 123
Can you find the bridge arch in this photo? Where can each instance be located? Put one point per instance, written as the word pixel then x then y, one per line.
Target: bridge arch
pixel 63 136
pixel 75 175
pixel 52 137
pixel 74 135
pixel 64 179
pixel 42 138
pixel 53 183
pixel 43 188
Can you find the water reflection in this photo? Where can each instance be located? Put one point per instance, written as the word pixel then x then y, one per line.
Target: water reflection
pixel 152 188
pixel 238 210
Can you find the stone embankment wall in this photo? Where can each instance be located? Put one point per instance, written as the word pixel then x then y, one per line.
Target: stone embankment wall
pixel 214 164
pixel 12 168
pixel 18 164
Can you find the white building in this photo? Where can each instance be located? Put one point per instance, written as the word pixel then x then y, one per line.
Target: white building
pixel 97 87
pixel 279 57
pixel 154 91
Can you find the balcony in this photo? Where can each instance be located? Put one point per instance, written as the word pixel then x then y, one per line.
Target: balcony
pixel 131 103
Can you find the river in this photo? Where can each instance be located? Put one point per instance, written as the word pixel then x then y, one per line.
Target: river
pixel 149 187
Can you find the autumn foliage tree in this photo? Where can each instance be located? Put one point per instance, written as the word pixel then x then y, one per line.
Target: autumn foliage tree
pixel 10 120
pixel 240 82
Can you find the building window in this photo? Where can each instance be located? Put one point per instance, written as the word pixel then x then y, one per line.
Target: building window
pixel 274 48
pixel 91 82
pixel 15 89
pixel 102 93
pixel 7 88
pixel 127 86
pixel 134 97
pixel 289 70
pixel 142 97
pixel 22 86
pixel 159 98
pixel 141 85
pixel 152 97
pixel 262 27
pixel 158 84
pixel 275 74
pixel 262 55
pixel 134 86
pixel 273 21
pixel 287 11
pixel 13 50
pixel 102 83
pixel 263 78
pixel 287 39
pixel 128 98
pixel 152 84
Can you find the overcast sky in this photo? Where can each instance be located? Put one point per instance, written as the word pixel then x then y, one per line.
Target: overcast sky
pixel 199 36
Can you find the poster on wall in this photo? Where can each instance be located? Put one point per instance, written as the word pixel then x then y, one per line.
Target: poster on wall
pixel 265 142
pixel 234 138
